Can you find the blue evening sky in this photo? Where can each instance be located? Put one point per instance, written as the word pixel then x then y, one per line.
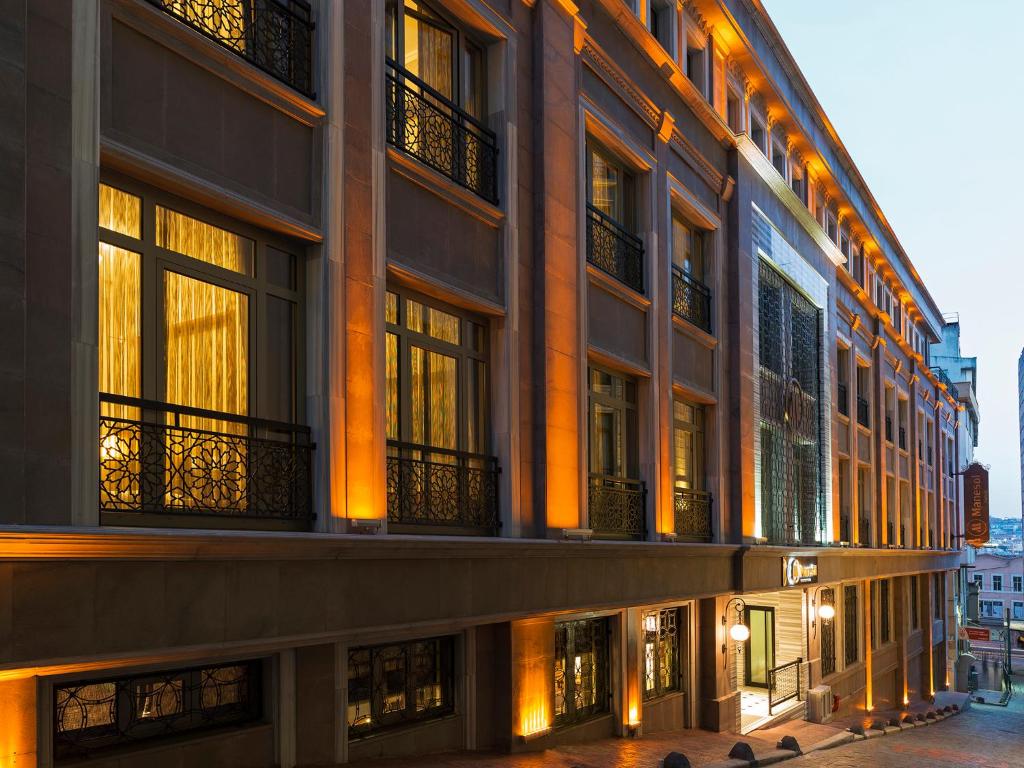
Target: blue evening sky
pixel 926 96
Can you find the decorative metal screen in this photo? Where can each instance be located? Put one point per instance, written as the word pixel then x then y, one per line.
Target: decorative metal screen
pixel 661 652
pixel 396 684
pixel 691 299
pixel 850 644
pixel 581 670
pixel 614 250
pixel 828 634
pixel 98 714
pixel 792 505
pixel 693 514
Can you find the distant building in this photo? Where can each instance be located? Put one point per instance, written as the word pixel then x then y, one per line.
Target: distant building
pixel 1020 422
pixel 1000 581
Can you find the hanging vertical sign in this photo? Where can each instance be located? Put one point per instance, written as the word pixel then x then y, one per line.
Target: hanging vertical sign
pixel 976 504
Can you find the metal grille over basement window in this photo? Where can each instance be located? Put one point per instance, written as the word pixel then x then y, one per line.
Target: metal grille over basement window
pixel 581 670
pixel 792 505
pixel 828 635
pixel 850 644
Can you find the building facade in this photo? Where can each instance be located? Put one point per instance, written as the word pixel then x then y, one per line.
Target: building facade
pixel 388 378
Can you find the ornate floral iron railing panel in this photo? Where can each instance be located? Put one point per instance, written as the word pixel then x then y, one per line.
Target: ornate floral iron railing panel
pixel 612 249
pixel 693 514
pixel 425 124
pixel 439 487
pixel 691 299
pixel 783 683
pixel 169 459
pixel 273 35
pixel 616 507
pixel 843 398
pixel 90 716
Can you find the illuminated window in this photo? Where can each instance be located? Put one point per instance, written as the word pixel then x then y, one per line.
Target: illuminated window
pixel 581 670
pixel 613 425
pixel 400 683
pixel 662 649
pixel 688 445
pixel 610 187
pixel 95 716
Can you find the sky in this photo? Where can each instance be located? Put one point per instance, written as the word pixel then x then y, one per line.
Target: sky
pixel 925 94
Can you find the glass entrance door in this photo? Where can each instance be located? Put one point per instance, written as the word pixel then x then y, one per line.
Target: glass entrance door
pixel 760 646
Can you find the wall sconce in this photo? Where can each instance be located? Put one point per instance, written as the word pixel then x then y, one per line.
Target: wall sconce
pixel 739 631
pixel 826 612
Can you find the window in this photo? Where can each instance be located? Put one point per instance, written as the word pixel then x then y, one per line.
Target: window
pixel 979 579
pixel 399 683
pixel 828 635
pixel 851 643
pixel 843 479
pixel 842 376
pixel 610 186
pixel 1018 609
pixel 612 245
pixel 662 23
pixel 688 438
pixel 223 302
pixel 798 181
pixel 759 133
pixel 697 62
pixel 661 652
pixel 581 670
pixel 1018 586
pixel 615 501
pixel 885 611
pixel 915 610
pixel 779 158
pixel 864 395
pixel 734 110
pixel 691 299
pixel 901 433
pixel 688 248
pixel 997 583
pixel 792 505
pixel 890 401
pixel 875 614
pixel 992 609
pixel 94 715
pixel 857 269
pixel 844 248
pixel 831 227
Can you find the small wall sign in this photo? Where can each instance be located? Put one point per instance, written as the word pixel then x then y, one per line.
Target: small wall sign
pixel 799 570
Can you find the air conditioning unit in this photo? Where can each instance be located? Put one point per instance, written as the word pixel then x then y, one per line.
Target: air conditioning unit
pixel 819 704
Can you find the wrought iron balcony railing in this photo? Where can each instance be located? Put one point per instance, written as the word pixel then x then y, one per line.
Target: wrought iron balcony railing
pixel 160 458
pixel 941 375
pixel 273 35
pixel 455 491
pixel 616 507
pixel 693 514
pixel 784 683
pixel 863 413
pixel 424 123
pixel 612 249
pixel 843 398
pixel 691 299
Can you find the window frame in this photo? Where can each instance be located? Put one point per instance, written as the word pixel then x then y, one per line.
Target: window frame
pixel 600 630
pixel 155 261
pixel 653 679
pixel 631 462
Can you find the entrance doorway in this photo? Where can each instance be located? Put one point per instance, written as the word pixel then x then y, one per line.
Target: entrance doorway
pixel 760 650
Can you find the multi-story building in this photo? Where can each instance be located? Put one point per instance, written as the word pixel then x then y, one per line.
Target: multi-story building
pixel 1020 421
pixel 1000 580
pixel 390 378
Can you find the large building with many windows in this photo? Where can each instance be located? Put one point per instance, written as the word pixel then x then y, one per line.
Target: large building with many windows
pixel 389 378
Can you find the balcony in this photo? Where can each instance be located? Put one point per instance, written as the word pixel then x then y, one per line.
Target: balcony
pixel 175 461
pixel 275 36
pixel 617 507
pixel 691 299
pixel 423 123
pixel 843 398
pixel 693 514
pixel 436 490
pixel 863 413
pixel 941 375
pixel 612 249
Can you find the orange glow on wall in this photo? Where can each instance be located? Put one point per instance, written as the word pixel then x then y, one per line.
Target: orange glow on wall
pixel 533 653
pixel 18 722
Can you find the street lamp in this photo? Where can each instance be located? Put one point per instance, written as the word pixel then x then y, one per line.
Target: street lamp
pixel 739 631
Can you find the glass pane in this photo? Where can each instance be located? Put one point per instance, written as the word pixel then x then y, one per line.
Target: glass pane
pixel 444 326
pixel 477 407
pixel 391 377
pixel 359 688
pixel 605 186
pixel 280 268
pixel 191 237
pixel 207 345
pixel 606 459
pixel 120 330
pixel 281 363
pixel 391 308
pixel 392 678
pixel 120 212
pixel 443 401
pixel 428 53
pixel 414 316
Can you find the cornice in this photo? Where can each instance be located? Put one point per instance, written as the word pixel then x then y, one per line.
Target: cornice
pixel 614 77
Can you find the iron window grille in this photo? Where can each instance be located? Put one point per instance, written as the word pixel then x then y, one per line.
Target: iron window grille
pixel 425 124
pixel 851 645
pixel 158 463
pixel 902 435
pixel 91 716
pixel 792 503
pixel 275 36
pixel 693 514
pixel 828 634
pixel 843 398
pixel 581 670
pixel 614 250
pixel 888 429
pixel 400 683
pixel 863 412
pixel 691 299
pixel 661 652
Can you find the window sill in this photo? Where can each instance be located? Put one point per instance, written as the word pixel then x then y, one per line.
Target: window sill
pixel 432 181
